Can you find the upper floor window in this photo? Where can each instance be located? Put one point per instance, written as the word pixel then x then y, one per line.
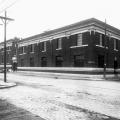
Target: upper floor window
pixel 2 49
pixel 43 46
pixel 8 48
pixel 79 39
pixel 115 44
pixel 101 40
pixel 22 50
pixel 2 59
pixel 8 57
pixel 59 43
pixel 32 48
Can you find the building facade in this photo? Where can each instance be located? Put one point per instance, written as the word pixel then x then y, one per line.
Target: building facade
pixel 89 43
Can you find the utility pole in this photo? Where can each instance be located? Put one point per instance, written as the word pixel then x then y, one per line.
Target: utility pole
pixel 4 19
pixel 105 52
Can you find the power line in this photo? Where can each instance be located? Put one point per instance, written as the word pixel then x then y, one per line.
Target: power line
pixel 2 1
pixel 9 6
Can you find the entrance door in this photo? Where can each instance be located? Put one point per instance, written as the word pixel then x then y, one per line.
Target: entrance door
pixel 59 61
pixel 78 61
pixel 101 61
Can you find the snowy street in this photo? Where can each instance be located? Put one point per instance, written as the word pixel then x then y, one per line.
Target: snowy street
pixel 64 99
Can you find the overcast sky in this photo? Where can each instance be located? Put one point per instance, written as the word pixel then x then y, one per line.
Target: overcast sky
pixel 36 16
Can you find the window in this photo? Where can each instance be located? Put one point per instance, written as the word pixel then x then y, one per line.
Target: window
pixel 43 62
pixel 22 50
pixel 101 40
pixel 8 48
pixel 31 62
pixel 100 61
pixel 43 46
pixel 2 49
pixel 8 57
pixel 79 39
pixel 115 44
pixel 32 48
pixel 59 43
pixel 59 61
pixel 2 59
pixel 22 62
pixel 78 61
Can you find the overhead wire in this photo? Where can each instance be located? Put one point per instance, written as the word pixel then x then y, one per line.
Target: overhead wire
pixel 8 6
pixel 2 1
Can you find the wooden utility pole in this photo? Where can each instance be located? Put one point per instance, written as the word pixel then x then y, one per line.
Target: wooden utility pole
pixel 105 52
pixel 4 19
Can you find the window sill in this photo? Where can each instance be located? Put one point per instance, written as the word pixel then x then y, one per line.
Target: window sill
pixel 32 52
pixel 116 50
pixel 22 54
pixel 78 46
pixel 59 49
pixel 43 51
pixel 100 46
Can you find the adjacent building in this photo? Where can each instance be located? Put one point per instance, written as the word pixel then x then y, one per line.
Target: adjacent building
pixel 89 43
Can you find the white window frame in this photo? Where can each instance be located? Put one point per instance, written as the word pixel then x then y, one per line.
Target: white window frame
pixel 32 48
pixel 115 44
pixel 23 51
pixel 101 40
pixel 79 39
pixel 59 44
pixel 44 46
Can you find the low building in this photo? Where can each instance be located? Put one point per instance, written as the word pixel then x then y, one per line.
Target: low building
pixel 11 51
pixel 89 43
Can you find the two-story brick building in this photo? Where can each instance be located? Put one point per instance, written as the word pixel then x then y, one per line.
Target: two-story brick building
pixel 89 43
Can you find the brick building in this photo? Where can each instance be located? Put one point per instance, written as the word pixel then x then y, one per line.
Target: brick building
pixel 83 44
pixel 11 51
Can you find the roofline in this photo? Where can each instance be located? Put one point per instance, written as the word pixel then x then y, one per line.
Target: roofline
pixel 83 23
pixel 86 22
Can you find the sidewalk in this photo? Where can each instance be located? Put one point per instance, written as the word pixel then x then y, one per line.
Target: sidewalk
pixel 9 111
pixel 6 84
pixel 71 76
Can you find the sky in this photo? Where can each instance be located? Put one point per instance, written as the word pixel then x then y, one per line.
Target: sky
pixel 33 17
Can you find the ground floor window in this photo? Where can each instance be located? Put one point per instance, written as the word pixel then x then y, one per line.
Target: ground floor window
pixel 78 61
pixel 31 62
pixel 59 61
pixel 43 62
pixel 22 62
pixel 101 61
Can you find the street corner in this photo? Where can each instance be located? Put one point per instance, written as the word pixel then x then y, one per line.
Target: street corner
pixel 4 85
pixel 9 111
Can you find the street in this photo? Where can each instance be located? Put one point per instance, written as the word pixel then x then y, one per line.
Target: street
pixel 63 99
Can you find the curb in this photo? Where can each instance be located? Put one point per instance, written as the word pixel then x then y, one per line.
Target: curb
pixel 6 85
pixel 72 76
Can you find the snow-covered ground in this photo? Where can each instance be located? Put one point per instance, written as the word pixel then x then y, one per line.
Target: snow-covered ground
pixel 62 99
